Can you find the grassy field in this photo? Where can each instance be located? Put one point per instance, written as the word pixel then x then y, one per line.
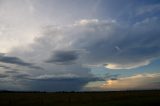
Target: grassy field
pixel 121 98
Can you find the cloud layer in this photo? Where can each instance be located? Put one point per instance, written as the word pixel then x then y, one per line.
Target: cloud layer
pixel 72 49
pixel 15 61
pixel 107 43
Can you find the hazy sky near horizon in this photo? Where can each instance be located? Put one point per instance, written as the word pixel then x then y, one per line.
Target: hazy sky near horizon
pixel 76 45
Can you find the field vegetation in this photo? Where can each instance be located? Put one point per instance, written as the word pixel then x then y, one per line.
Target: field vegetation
pixel 118 98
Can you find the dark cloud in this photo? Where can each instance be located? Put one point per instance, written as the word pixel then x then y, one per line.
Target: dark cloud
pixel 111 76
pixel 13 60
pixel 5 67
pixel 11 72
pixel 16 61
pixel 3 75
pixel 63 57
pixel 21 76
pixel 113 79
pixel 121 46
pixel 14 74
pixel 106 43
pixel 61 84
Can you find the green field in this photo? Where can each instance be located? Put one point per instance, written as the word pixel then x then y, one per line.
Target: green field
pixel 121 98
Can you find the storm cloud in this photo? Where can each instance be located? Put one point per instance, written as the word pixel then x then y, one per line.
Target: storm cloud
pixel 50 83
pixel 86 43
pixel 105 43
pixel 61 83
pixel 49 49
pixel 13 60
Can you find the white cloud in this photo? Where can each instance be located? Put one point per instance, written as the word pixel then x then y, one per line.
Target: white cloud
pixel 126 66
pixel 86 22
pixel 18 24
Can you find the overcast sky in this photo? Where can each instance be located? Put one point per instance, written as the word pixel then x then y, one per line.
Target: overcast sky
pixel 79 45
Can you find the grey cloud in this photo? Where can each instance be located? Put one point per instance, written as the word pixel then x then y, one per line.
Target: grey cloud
pixel 11 72
pixel 5 67
pixel 136 44
pixel 63 57
pixel 20 76
pixel 48 82
pixel 114 79
pixel 13 60
pixel 16 61
pixel 105 42
pixel 71 78
pixel 35 67
pixel 3 75
pixel 17 75
pixel 61 84
pixel 111 76
pixel 146 9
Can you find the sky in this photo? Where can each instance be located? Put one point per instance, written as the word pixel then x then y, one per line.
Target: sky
pixel 79 45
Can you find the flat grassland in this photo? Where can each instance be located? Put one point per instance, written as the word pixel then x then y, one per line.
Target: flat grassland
pixel 118 98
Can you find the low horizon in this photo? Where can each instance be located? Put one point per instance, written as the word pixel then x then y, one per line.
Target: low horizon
pixel 138 90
